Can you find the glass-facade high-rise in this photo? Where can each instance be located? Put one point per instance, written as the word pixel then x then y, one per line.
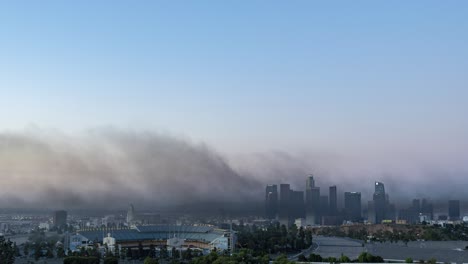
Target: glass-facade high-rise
pixel 313 206
pixel 416 205
pixel 271 201
pixel 353 206
pixel 333 201
pixel 297 204
pixel 60 219
pixel 454 210
pixel 323 205
pixel 284 204
pixel 310 182
pixel 380 202
pixel 427 209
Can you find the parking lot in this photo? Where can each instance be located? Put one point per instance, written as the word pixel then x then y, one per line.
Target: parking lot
pixel 442 251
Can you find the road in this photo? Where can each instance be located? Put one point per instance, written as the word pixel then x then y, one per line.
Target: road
pixel 305 252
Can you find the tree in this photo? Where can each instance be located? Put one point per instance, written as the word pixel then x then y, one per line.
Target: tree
pixel 432 261
pixel 116 251
pixel 282 260
pixel 301 258
pixel 188 254
pixel 265 259
pixel 49 253
pixel 60 252
pixel 409 260
pixel 129 253
pixel 111 260
pixel 26 249
pixel 17 251
pixel 123 253
pixel 80 259
pixel 7 251
pixel 315 258
pixel 163 252
pixel 365 257
pixel 175 253
pixel 140 250
pixel 152 251
pixel 308 237
pixel 37 251
pixel 344 258
pixel 149 260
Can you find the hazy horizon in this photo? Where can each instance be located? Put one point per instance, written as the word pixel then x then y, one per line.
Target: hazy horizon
pixel 150 101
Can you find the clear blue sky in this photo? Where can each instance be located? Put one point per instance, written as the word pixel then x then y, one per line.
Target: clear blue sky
pixel 242 75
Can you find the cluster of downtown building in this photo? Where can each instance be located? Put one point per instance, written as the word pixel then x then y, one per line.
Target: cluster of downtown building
pixel 313 207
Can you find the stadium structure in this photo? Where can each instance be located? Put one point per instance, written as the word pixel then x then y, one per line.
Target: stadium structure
pixel 205 238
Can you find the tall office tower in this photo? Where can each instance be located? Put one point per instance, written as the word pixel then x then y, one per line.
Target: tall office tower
pixel 406 215
pixel 323 206
pixel 333 209
pixel 454 210
pixel 353 206
pixel 391 213
pixel 371 212
pixel 312 204
pixel 427 209
pixel 60 219
pixel 297 204
pixel 310 183
pixel 284 204
pixel 380 202
pixel 416 205
pixel 271 201
pixel 130 214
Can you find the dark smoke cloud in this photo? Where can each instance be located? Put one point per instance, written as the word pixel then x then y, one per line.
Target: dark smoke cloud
pixel 110 168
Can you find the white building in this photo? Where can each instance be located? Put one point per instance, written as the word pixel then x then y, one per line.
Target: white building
pixel 300 222
pixel 44 225
pixel 110 242
pixel 130 214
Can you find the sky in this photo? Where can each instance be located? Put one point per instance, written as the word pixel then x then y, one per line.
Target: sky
pixel 373 83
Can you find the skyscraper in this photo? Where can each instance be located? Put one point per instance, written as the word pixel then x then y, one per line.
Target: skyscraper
pixel 333 209
pixel 130 214
pixel 352 202
pixel 284 204
pixel 312 201
pixel 380 202
pixel 454 210
pixel 297 204
pixel 371 212
pixel 60 219
pixel 271 201
pixel 416 206
pixel 323 206
pixel 310 182
pixel 427 209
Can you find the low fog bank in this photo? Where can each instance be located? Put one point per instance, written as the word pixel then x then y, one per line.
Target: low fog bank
pixel 404 178
pixel 110 168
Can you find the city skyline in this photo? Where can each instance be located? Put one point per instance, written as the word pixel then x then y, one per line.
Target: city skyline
pixel 241 94
pixel 189 132
pixel 323 208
